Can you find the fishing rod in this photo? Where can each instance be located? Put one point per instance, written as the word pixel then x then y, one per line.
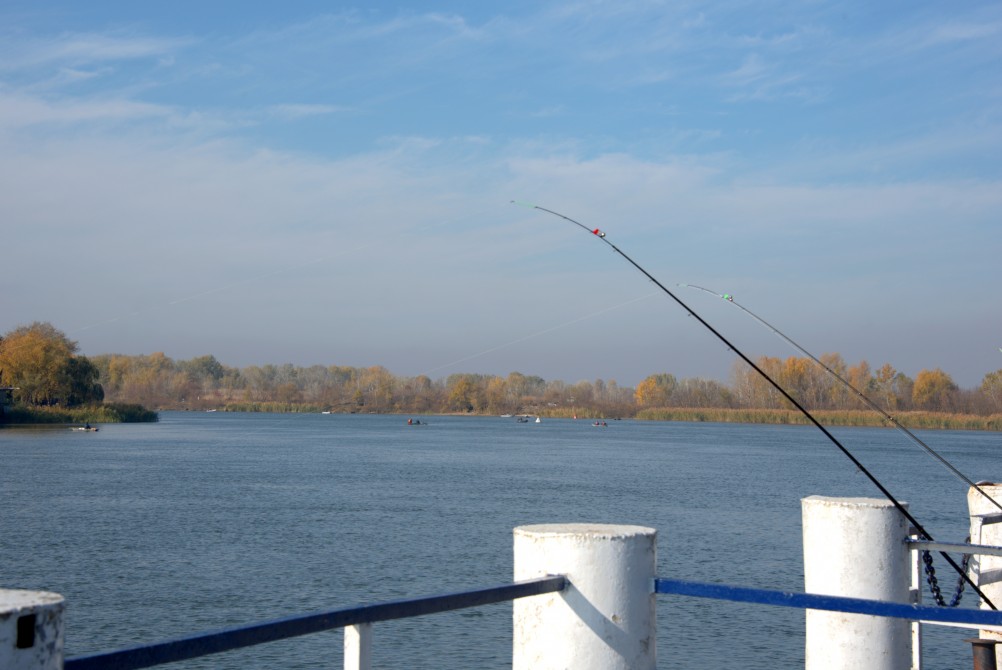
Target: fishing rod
pixel 859 394
pixel 803 410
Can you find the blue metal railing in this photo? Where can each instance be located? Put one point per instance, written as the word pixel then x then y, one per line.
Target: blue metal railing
pixel 203 644
pixel 829 603
pixel 269 631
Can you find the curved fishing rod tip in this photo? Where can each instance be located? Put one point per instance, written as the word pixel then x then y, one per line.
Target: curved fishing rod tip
pixel 523 204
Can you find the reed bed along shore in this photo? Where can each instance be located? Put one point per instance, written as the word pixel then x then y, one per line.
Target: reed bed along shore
pixel 861 418
pixel 115 413
pixel 917 420
pixel 109 413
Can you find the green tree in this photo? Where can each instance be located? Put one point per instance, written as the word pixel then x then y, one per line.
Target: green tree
pixel 84 386
pixel 204 370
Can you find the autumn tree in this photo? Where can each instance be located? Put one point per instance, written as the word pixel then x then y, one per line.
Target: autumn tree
pixel 496 395
pixel 861 377
pixel 803 379
pixel 377 385
pixel 419 394
pixel 655 390
pixel 41 362
pixel 883 382
pixel 463 392
pixel 991 388
pixel 752 390
pixel 701 393
pixel 933 390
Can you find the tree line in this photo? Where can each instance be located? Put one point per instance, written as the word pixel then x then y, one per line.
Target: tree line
pixel 42 362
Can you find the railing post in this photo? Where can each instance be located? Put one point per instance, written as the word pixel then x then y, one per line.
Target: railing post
pixel 31 630
pixel 915 596
pixel 856 547
pixel 358 647
pixel 605 617
pixel 987 570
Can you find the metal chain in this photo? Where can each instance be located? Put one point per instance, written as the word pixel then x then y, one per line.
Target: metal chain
pixel 930 577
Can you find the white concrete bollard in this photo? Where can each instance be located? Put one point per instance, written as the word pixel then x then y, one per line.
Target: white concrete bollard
pixel 605 618
pixel 31 630
pixel 987 570
pixel 855 547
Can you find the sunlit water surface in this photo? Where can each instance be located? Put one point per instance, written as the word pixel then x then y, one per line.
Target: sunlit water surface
pixel 208 520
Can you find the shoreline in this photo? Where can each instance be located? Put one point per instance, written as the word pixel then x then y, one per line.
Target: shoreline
pixel 917 420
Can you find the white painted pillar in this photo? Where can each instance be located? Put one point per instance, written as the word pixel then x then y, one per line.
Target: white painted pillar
pixel 986 571
pixel 358 647
pixel 855 547
pixel 31 630
pixel 604 619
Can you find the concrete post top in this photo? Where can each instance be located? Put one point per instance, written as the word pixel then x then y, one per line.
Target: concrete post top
pixel 977 502
pixel 16 600
pixel 585 530
pixel 827 501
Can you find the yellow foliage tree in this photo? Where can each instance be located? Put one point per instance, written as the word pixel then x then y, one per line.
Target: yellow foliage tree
pixel 40 362
pixel 933 390
pixel 655 390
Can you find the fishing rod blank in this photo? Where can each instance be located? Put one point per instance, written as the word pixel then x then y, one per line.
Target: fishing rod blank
pixel 803 410
pixel 859 394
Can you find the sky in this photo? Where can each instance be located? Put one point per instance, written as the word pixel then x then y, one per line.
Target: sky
pixel 331 183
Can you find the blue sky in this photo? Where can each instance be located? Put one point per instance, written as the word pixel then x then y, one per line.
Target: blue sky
pixel 328 183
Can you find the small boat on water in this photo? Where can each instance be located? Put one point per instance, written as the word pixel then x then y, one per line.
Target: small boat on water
pixel 85 429
pixel 538 420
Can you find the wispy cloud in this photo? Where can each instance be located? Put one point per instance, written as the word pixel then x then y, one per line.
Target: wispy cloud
pixel 757 80
pixel 301 111
pixel 79 50
pixel 963 32
pixel 22 111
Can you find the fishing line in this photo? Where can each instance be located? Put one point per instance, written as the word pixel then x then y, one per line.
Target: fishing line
pixel 810 417
pixel 859 394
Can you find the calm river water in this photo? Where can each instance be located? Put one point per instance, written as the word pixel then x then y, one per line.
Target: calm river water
pixel 208 520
